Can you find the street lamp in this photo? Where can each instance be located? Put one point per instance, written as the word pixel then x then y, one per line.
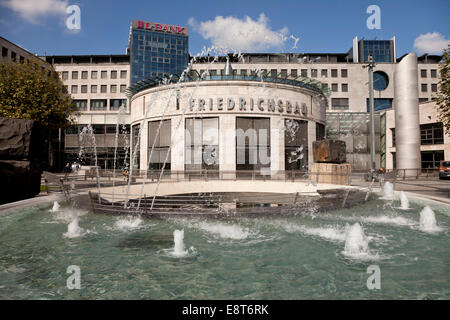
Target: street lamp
pixel 370 65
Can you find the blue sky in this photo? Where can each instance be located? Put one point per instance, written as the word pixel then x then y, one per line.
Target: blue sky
pixel 321 26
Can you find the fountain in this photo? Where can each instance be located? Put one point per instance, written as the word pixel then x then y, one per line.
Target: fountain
pixel 128 223
pixel 388 191
pixel 356 242
pixel 428 220
pixel 55 207
pixel 178 249
pixel 404 201
pixel 73 229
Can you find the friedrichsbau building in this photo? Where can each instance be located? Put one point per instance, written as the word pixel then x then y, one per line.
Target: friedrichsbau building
pixel 193 123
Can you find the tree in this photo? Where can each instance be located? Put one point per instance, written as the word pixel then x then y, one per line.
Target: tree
pixel 30 91
pixel 443 96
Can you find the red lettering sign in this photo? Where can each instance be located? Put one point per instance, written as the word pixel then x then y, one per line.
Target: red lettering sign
pixel 160 27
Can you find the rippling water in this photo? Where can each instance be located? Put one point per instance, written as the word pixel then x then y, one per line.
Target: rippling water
pixel 241 258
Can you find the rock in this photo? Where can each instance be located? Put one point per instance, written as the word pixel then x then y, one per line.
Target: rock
pixel 24 153
pixel 329 151
pixel 19 180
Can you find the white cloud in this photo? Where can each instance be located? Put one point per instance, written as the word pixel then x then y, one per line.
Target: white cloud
pixel 432 43
pixel 240 34
pixel 32 9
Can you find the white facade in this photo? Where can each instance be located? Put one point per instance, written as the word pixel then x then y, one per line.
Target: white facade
pixel 227 100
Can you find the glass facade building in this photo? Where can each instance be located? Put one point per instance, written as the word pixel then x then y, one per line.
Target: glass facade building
pixel 381 50
pixel 157 50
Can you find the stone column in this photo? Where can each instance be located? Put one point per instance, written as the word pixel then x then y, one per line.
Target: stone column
pixel 143 146
pixel 407 127
pixel 276 145
pixel 178 143
pixel 227 143
pixel 311 139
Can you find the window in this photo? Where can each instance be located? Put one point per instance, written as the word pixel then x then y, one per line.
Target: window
pixel 115 104
pixel 84 89
pixel 324 73
pixel 123 74
pixel 98 104
pixel 296 144
pixel 80 105
pixel 339 103
pixel 213 72
pixel 423 73
pixel 431 133
pixel 84 74
pixel 161 143
pixel 21 59
pixel 294 73
pixel 202 144
pixel 344 73
pixel 423 100
pixel 379 104
pixel 424 87
pixel 75 75
pixel 243 72
pixel 273 73
pixel 380 80
pixel 433 73
pixel 314 73
pixel 304 73
pixel 434 87
pixel 334 87
pixel 123 87
pixel 432 159
pixel 65 75
pixel 393 136
pixel 135 142
pixel 74 89
pixel 252 143
pixel 320 131
pixel 344 87
pixel 103 88
pixel 4 52
pixel 334 73
pixel 104 74
pixel 93 74
pixel 113 88
pixel 65 89
pixel 93 89
pixel 113 74
pixel 284 73
pixel 13 56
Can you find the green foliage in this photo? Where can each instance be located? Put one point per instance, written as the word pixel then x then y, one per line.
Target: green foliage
pixel 27 91
pixel 443 97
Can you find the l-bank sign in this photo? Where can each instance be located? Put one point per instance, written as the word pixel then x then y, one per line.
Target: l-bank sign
pixel 161 27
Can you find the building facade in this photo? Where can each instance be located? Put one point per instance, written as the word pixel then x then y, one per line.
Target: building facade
pixel 97 84
pixel 156 50
pixel 227 123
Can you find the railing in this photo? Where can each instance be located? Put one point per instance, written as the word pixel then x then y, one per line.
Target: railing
pixel 109 177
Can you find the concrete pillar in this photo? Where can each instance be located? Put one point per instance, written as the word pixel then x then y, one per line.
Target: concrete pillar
pixel 178 144
pixel 276 144
pixel 311 139
pixel 227 143
pixel 407 127
pixel 144 147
